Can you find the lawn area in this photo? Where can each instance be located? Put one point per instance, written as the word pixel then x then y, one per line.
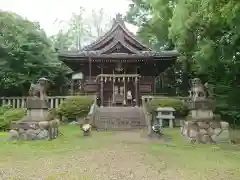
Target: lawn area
pixel 117 155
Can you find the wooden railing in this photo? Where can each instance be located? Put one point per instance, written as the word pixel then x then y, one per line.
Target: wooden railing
pixel 20 102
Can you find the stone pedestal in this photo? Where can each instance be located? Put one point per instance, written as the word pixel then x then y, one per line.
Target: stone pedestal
pixel 205 132
pixel 201 126
pixel 34 130
pixel 38 123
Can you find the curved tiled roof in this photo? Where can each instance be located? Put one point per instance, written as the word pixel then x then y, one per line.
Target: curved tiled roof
pixel 117 42
pixel 118 27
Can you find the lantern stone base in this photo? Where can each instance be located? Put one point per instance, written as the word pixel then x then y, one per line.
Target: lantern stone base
pixel 205 132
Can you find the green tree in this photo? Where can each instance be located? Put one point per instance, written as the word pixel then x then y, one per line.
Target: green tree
pixel 74 32
pixel 25 54
pixel 207 33
pixel 81 29
pixel 99 23
pixel 153 19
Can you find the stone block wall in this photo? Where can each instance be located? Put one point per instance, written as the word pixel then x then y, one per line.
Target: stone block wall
pixel 205 131
pixel 34 130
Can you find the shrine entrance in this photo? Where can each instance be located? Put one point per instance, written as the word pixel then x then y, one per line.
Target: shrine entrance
pixel 118 89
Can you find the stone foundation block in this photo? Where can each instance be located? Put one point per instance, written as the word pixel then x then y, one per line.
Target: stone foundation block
pixel 215 124
pixel 224 125
pixel 205 132
pixel 41 130
pixel 203 125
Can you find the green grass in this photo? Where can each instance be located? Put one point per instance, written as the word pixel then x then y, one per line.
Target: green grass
pixel 195 162
pixel 196 154
pixel 71 140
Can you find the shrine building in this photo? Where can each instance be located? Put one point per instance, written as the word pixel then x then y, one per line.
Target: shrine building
pixel 117 67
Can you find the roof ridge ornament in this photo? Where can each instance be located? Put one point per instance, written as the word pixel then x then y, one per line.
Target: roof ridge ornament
pixel 119 19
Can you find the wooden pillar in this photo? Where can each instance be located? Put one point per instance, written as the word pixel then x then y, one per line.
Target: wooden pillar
pixel 113 89
pixel 101 90
pixel 90 68
pixel 137 91
pixel 154 85
pixel 137 88
pixel 101 68
pixel 125 88
pixel 101 86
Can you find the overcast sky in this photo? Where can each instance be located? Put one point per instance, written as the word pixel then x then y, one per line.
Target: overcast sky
pixel 47 11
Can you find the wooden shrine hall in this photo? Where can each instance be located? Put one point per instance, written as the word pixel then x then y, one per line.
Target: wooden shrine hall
pixel 117 67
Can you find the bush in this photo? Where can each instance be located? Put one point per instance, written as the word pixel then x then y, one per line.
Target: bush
pixel 4 108
pixel 73 107
pixel 180 106
pixel 9 115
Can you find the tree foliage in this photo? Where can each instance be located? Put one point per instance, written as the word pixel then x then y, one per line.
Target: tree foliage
pixel 148 15
pixel 81 29
pixel 207 35
pixel 26 54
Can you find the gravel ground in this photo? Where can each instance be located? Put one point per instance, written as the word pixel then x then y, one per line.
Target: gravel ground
pixel 125 156
pixel 115 164
pixel 120 160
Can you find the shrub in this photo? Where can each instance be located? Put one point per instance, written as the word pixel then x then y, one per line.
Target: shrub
pixel 10 115
pixel 73 107
pixel 180 106
pixel 4 108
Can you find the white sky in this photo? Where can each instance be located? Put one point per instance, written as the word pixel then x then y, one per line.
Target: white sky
pixel 47 11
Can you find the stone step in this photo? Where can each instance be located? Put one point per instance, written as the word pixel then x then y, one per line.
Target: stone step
pixel 120 118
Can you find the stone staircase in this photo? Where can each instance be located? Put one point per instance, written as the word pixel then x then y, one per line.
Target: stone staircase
pixel 119 118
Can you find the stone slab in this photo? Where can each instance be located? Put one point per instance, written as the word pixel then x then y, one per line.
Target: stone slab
pixel 202 104
pixel 24 125
pixel 36 103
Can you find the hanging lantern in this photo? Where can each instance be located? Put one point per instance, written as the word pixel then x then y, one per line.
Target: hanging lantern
pixel 105 79
pixel 110 79
pixel 128 79
pixel 114 79
pixel 101 79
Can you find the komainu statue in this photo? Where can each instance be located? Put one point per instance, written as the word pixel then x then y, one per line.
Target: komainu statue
pixel 39 89
pixel 34 90
pixel 208 89
pixel 197 90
